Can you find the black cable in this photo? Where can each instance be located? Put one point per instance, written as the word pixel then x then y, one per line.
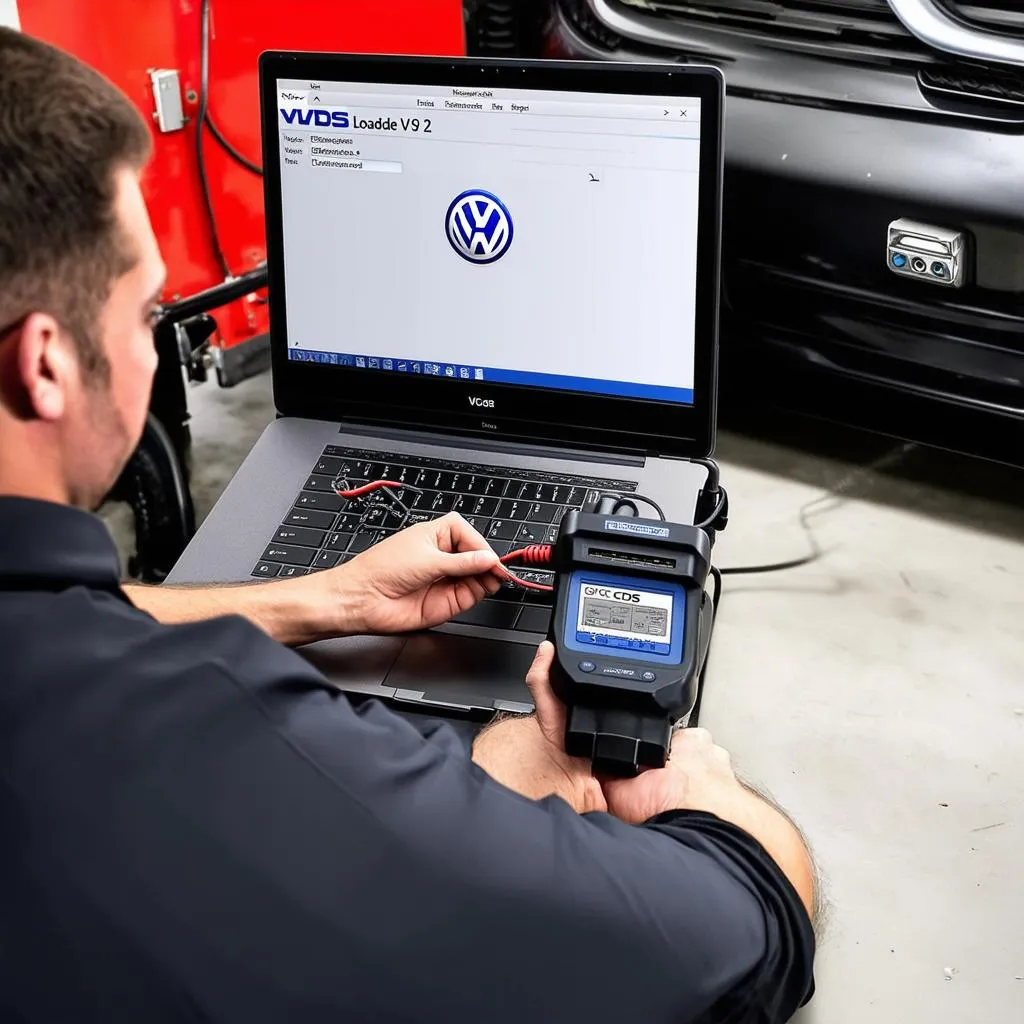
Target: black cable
pixel 702 676
pixel 647 501
pixel 890 458
pixel 716 512
pixel 204 184
pixel 235 155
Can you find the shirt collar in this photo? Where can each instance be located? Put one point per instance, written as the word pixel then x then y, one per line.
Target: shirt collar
pixel 50 546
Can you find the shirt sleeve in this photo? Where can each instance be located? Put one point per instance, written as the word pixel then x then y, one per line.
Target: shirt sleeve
pixel 684 919
pixel 257 849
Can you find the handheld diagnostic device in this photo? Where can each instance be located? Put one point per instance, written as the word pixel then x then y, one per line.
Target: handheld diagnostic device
pixel 631 626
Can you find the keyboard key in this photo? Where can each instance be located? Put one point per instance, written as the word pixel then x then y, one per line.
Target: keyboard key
pixel 288 571
pixel 327 559
pixel 503 529
pixel 495 488
pixel 362 541
pixel 493 614
pixel 370 470
pixel 289 554
pixel 330 467
pixel 325 502
pixel 300 535
pixel 378 515
pixel 421 499
pixel 265 569
pixel 309 517
pixel 348 522
pixel 476 484
pixel 442 502
pixel 484 506
pixel 534 619
pixel 532 533
pixel 575 498
pixel 550 534
pixel 541 513
pixel 509 509
pixel 500 547
pixel 319 483
pixel 338 541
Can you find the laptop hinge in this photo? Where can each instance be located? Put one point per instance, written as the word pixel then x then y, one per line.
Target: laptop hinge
pixel 603 456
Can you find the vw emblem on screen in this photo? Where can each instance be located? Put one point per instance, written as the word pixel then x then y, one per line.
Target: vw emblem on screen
pixel 479 226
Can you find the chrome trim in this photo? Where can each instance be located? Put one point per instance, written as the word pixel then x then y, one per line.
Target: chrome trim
pixel 641 28
pixel 936 27
pixel 922 18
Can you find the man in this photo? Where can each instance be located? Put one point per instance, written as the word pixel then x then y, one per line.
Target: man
pixel 195 826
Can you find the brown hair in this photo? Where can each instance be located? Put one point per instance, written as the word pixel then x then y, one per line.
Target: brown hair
pixel 65 130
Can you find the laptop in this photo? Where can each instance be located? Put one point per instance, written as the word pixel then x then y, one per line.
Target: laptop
pixel 497 282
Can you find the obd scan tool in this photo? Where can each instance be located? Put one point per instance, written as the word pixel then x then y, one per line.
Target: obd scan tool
pixel 631 627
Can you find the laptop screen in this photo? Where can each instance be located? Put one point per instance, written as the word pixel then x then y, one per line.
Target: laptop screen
pixel 536 238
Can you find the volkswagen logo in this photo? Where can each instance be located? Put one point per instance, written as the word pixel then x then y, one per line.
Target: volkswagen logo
pixel 479 226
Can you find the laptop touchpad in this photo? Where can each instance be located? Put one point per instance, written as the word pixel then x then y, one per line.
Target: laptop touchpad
pixel 462 670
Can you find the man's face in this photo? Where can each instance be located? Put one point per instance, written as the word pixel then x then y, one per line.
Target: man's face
pixel 109 415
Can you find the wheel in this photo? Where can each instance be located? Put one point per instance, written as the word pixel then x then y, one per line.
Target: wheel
pixel 154 485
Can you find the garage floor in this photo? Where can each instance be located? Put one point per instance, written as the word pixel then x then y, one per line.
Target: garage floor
pixel 878 693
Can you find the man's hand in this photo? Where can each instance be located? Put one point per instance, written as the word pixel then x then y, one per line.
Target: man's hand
pixel 699 777
pixel 417 578
pixel 420 577
pixel 528 754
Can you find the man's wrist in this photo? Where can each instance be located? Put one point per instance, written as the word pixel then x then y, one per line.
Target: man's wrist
pixel 293 612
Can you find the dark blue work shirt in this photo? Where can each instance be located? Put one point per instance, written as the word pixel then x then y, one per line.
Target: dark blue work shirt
pixel 195 827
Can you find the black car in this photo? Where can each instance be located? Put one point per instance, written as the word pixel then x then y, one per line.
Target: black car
pixel 874 212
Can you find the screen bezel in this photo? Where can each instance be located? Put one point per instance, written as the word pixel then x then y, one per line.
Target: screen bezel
pixel 538 415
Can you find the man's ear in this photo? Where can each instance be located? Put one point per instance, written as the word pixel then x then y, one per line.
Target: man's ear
pixel 46 365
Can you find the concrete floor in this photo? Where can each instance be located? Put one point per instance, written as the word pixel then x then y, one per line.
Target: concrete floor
pixel 878 693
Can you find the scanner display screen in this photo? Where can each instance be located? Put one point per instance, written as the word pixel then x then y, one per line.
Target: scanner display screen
pixel 627 619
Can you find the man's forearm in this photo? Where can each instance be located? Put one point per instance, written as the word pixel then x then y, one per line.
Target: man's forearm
pixel 287 613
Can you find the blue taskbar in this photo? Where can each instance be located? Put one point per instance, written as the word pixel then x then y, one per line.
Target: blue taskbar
pixel 556 381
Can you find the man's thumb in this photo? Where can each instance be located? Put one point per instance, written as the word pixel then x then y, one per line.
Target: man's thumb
pixel 540 670
pixel 550 710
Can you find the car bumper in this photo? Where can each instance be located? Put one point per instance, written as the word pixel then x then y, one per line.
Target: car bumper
pixel 810 192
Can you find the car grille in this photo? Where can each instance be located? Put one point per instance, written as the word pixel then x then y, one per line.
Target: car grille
pixel 853 27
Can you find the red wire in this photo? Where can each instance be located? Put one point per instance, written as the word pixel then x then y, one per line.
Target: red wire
pixel 535 554
pixel 376 485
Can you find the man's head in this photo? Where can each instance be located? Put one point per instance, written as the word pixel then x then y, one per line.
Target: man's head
pixel 80 276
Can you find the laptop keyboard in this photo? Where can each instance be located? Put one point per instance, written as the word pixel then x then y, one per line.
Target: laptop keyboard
pixel 511 508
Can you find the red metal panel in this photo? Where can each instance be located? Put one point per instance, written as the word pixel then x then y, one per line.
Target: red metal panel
pixel 126 38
